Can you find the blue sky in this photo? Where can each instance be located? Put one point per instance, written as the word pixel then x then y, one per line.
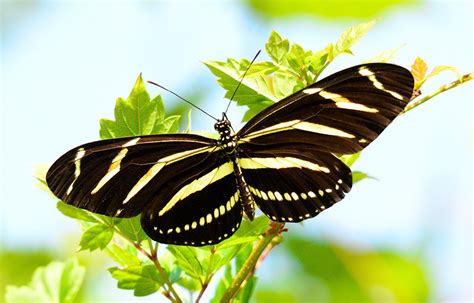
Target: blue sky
pixel 63 64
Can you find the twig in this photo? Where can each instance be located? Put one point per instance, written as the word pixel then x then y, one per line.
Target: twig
pixel 249 265
pixel 464 78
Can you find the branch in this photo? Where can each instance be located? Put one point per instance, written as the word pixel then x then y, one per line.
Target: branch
pixel 249 265
pixel 464 78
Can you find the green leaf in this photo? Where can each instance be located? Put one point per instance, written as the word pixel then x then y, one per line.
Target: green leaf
pixel 385 56
pixel 74 212
pixel 276 47
pixel 358 176
pixel 349 160
pixel 350 36
pixel 223 284
pixel 57 282
pixel 350 274
pixel 132 229
pixel 443 68
pixel 248 231
pixel 329 11
pixel 138 115
pixel 125 256
pixel 144 280
pixel 187 259
pixel 96 236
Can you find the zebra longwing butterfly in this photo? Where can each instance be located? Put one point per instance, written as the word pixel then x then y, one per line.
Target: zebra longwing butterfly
pixel 193 190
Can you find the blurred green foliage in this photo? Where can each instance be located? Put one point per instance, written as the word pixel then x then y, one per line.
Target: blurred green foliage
pixel 17 266
pixel 327 271
pixel 335 9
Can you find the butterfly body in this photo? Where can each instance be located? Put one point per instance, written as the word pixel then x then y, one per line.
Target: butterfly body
pixel 193 190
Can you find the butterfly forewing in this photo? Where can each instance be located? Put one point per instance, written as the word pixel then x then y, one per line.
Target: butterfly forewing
pixel 342 113
pixel 119 177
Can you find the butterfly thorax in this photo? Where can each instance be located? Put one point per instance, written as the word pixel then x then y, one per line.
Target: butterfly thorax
pixel 228 143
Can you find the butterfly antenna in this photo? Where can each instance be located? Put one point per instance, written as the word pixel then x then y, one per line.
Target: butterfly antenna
pixel 195 106
pixel 241 80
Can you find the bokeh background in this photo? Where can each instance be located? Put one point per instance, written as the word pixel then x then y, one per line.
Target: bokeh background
pixel 406 236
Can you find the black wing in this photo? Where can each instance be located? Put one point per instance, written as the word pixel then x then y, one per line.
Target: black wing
pixel 342 113
pixel 294 183
pixel 201 208
pixel 120 177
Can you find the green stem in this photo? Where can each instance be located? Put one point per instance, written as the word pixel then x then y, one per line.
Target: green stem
pixel 465 78
pixel 153 256
pixel 252 260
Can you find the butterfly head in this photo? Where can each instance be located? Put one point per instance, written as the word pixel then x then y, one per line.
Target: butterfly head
pixel 226 134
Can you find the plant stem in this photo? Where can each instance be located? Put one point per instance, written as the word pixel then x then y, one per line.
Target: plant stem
pixel 153 256
pixel 252 260
pixel 464 78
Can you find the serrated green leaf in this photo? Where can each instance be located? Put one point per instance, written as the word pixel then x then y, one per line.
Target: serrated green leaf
pixel 96 236
pixel 187 259
pixel 254 87
pixel 132 229
pixel 125 256
pixel 74 212
pixel 317 62
pixel 137 115
pixel 169 125
pixel 276 47
pixel 350 36
pixel 57 282
pixel 144 280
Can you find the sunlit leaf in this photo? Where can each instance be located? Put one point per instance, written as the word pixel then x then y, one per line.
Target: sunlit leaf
pixel 358 176
pixel 124 256
pixel 335 9
pixel 57 282
pixel 443 68
pixel 96 236
pixel 187 259
pixel 349 160
pixel 418 70
pixel 385 56
pixel 74 212
pixel 350 36
pixel 138 115
pixel 276 47
pixel 144 280
pixel 132 229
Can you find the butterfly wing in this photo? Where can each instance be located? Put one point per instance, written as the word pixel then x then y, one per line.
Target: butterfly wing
pixel 294 183
pixel 119 177
pixel 342 113
pixel 202 206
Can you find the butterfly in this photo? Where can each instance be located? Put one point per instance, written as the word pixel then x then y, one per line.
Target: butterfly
pixel 193 190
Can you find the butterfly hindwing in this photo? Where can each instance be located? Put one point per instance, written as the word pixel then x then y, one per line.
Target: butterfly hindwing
pixel 118 177
pixel 291 185
pixel 341 114
pixel 202 209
